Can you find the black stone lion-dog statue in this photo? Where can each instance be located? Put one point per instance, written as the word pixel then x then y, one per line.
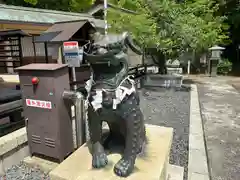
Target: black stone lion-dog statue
pixel 112 97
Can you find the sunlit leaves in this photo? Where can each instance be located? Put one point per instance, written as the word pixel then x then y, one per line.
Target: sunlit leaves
pixel 66 5
pixel 165 24
pixel 34 2
pixel 170 26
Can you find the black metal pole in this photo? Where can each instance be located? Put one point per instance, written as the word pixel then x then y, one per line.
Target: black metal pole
pixel 46 51
pixel 20 50
pixel 143 80
pixel 63 57
pixel 34 49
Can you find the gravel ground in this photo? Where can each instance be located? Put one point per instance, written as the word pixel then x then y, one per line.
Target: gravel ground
pixel 22 172
pixel 170 108
pixel 161 107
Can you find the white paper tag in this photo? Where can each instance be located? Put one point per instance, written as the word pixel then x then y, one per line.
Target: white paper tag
pixel 118 92
pixel 96 106
pixel 88 85
pixel 114 104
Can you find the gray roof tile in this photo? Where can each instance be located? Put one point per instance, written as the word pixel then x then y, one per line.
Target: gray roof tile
pixel 17 13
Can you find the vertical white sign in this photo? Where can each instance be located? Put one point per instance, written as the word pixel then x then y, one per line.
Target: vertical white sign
pixel 72 53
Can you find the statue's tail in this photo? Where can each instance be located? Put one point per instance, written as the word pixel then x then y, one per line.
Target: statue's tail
pixel 135 48
pixel 100 57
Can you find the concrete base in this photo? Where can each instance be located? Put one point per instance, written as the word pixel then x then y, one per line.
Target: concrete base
pixel 44 165
pixel 152 166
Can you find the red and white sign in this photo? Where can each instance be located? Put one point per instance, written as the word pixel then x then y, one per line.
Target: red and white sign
pixel 39 104
pixel 70 45
pixel 73 55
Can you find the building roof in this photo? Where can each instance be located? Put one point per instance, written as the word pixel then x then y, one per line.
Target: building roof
pixel 34 15
pixel 62 31
pixel 15 32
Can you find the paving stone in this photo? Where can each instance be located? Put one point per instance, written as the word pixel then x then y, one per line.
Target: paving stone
pixel 220 108
pixel 175 172
pixel 2 172
pixel 197 161
pixel 197 176
pixel 196 141
pixel 195 127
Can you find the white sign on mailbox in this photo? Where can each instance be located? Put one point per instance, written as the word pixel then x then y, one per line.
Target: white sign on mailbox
pixel 72 53
pixel 39 103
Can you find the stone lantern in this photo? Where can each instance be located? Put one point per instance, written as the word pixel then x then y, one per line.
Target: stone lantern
pixel 215 58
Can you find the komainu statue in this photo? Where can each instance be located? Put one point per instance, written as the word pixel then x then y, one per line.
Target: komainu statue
pixel 113 98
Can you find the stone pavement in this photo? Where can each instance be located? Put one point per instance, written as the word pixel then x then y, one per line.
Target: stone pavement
pixel 197 148
pixel 220 108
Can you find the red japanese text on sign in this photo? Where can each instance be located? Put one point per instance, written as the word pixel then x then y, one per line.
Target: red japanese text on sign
pixel 33 102
pixel 39 104
pixel 48 105
pixel 28 102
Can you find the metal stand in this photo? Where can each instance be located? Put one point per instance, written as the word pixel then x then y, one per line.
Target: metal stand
pixel 77 100
pixel 74 78
pixel 80 127
pixel 71 49
pixel 78 111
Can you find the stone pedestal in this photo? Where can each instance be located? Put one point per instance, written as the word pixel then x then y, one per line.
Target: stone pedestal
pixel 213 67
pixel 174 70
pixel 152 166
pixel 167 81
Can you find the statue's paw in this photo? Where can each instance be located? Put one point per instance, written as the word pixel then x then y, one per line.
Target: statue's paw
pixel 124 167
pixel 139 150
pixel 99 160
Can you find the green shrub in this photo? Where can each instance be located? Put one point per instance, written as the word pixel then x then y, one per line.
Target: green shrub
pixel 224 67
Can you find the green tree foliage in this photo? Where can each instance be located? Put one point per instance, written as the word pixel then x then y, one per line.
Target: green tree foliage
pixel 63 5
pixel 170 26
pixel 231 9
pixel 80 5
